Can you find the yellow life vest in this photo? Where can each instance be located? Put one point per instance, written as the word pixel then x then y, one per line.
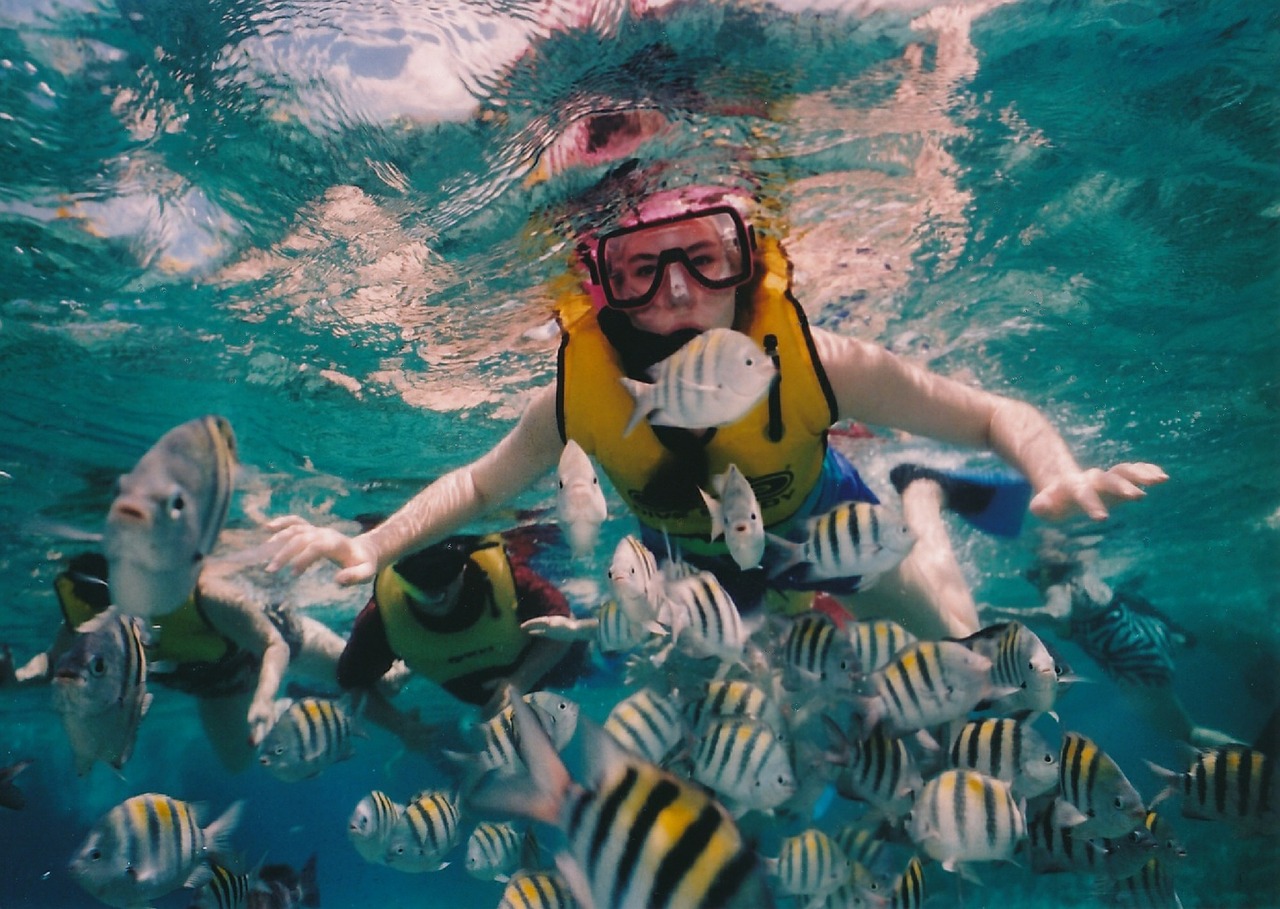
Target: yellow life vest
pixel 180 637
pixel 494 641
pixel 780 452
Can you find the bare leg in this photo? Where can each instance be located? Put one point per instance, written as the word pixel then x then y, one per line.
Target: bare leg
pixel 927 593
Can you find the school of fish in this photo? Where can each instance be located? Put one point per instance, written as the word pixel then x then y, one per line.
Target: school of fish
pixel 753 761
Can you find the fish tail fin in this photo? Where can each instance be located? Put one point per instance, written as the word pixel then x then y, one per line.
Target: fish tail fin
pixel 639 391
pixel 783 554
pixel 308 883
pixel 713 508
pixel 537 793
pixel 218 833
pixel 1171 779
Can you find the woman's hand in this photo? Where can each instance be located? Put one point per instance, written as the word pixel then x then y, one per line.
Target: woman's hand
pixel 1092 490
pixel 300 544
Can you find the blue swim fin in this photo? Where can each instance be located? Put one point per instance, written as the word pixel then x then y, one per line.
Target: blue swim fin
pixel 994 501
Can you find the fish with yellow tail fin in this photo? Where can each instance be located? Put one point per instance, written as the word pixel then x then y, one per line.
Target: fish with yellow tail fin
pixel 148 846
pixel 963 816
pixel 636 834
pixel 1094 795
pixel 100 689
pixel 1231 783
pixel 167 515
pixel 713 380
pixel 580 503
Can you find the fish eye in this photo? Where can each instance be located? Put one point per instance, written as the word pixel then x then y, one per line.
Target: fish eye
pixel 98 665
pixel 1048 758
pixel 95 854
pixel 177 503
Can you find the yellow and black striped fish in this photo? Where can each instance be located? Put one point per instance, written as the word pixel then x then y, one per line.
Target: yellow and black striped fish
pixel 1008 749
pixel 537 890
pixel 927 684
pixel 639 836
pixel 727 698
pixel 964 816
pixel 424 833
pixel 148 846
pixel 370 825
pixel 308 735
pixel 877 641
pixel 1232 783
pixel 1094 793
pixel 647 724
pixel 809 863
pixel 854 539
pixel 1055 848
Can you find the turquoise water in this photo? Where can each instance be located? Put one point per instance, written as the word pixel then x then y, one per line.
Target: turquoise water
pixel 320 222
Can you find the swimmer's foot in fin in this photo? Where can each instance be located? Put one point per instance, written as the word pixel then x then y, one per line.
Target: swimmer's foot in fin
pixel 994 501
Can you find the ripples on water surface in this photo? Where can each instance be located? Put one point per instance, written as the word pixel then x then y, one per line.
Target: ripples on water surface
pixel 333 223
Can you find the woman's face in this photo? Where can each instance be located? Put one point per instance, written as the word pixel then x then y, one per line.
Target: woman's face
pixel 681 301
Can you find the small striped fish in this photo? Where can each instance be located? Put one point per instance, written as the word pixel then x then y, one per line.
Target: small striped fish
pixel 728 698
pixel 1133 646
pixel 1094 793
pixel 879 770
pixel 1232 783
pixel 153 832
pixel 424 833
pixel 743 762
pixel 963 816
pixel 647 724
pixel 817 653
pixel 225 890
pixel 167 515
pixel 537 890
pixel 703 620
pixel 854 539
pixel 1007 749
pixel 1055 848
pixel 500 751
pixel 862 843
pixel 100 689
pixel 370 825
pixel 927 684
pixel 494 850
pixel 1021 663
pixel 309 735
pixel 1151 888
pixel 809 864
pixel 615 632
pixel 637 583
pixel 713 380
pixel 877 641
pixel 638 835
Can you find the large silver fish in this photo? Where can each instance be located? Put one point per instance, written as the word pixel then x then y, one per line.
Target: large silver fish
pixel 148 846
pixel 713 380
pixel 580 503
pixel 100 689
pixel 167 515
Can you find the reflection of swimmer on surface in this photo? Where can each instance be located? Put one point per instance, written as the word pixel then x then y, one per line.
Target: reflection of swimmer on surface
pixel 226 649
pixel 453 611
pixel 1131 640
pixel 667 266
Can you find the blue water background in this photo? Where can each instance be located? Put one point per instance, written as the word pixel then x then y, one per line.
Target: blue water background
pixel 320 222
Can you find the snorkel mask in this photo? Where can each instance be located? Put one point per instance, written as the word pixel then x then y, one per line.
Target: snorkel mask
pixel 695 227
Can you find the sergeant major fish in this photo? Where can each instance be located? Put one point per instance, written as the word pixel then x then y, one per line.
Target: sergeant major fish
pixel 1095 795
pixel 496 851
pixel 636 835
pixel 537 890
pixel 100 689
pixel 735 515
pixel 1231 783
pixel 646 723
pixel 745 764
pixel 1020 662
pixel 703 619
pixel 1008 749
pixel 371 823
pixel 148 846
pixel 809 864
pixel 424 833
pixel 308 735
pixel 580 503
pixel 963 816
pixel 166 516
pixel 854 539
pixel 713 380
pixel 268 887
pixel 636 583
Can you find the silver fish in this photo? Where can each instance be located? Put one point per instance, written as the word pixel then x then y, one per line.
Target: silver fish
pixel 1094 796
pixel 809 863
pixel 735 515
pixel 1020 662
pixel 100 689
pixel 880 771
pixel 1230 783
pixel 647 724
pixel 424 833
pixel 636 834
pixel 1007 749
pixel 963 816
pixel 734 698
pixel 167 515
pixel 537 890
pixel 266 887
pixel 495 851
pixel 702 619
pixel 714 380
pixel 817 654
pixel 1055 849
pixel 877 641
pixel 743 762
pixel 148 846
pixel 854 539
pixel 927 684
pixel 580 502
pixel 636 582
pixel 371 823
pixel 308 735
